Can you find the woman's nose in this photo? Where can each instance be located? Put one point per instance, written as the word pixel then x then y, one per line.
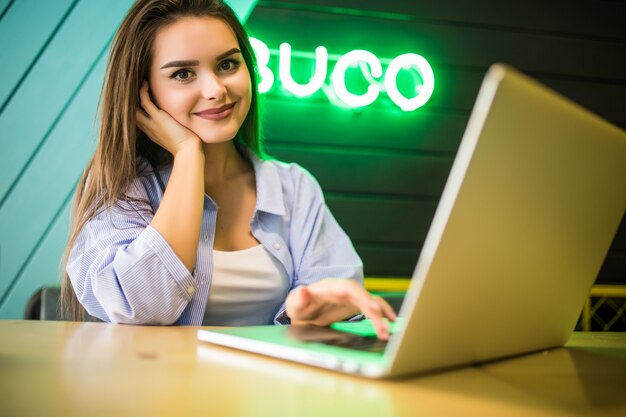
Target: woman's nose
pixel 213 88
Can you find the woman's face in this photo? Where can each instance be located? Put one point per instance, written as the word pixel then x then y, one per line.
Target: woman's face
pixel 199 77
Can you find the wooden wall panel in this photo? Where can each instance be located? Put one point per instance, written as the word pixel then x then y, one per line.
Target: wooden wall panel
pixel 393 221
pixel 369 172
pixel 385 260
pixel 588 18
pixel 429 131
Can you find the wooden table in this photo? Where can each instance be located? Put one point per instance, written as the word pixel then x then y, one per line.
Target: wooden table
pixel 96 369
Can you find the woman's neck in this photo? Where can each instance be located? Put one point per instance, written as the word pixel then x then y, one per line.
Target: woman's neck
pixel 222 163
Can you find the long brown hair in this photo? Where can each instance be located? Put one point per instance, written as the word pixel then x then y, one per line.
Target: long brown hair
pixel 120 143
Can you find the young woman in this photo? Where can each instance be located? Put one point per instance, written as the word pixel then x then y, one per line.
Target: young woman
pixel 180 218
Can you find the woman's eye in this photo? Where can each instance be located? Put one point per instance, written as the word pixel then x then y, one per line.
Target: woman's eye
pixel 228 65
pixel 182 75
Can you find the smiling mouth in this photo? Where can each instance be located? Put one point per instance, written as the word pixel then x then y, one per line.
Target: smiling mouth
pixel 216 114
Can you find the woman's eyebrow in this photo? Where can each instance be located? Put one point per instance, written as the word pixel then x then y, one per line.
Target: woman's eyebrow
pixel 180 64
pixel 192 63
pixel 228 53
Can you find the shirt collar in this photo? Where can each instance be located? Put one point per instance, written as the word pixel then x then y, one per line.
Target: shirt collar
pixel 269 190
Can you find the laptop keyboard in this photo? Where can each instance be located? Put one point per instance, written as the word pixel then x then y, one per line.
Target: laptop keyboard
pixel 359 335
pixel 351 341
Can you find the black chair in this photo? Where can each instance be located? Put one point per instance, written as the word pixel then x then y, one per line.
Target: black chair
pixel 44 305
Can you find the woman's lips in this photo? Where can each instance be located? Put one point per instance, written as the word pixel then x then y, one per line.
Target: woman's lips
pixel 216 114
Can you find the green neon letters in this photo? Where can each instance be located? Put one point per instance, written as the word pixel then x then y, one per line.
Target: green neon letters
pixel 371 68
pixel 319 76
pixel 339 81
pixel 262 53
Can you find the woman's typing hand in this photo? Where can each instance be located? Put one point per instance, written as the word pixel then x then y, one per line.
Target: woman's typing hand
pixel 331 300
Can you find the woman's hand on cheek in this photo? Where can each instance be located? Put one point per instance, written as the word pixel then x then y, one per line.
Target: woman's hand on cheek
pixel 332 300
pixel 162 128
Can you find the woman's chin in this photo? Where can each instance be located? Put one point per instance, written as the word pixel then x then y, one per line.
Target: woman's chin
pixel 213 138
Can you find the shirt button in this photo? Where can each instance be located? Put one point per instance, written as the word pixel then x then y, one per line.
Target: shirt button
pixel 190 290
pixel 277 246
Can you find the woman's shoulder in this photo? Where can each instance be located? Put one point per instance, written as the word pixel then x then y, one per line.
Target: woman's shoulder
pixel 287 170
pixel 294 183
pixel 150 179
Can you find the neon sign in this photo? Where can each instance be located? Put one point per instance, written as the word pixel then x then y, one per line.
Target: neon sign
pixel 371 69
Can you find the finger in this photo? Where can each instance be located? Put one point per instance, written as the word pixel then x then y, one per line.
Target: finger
pixel 300 304
pixel 142 119
pixel 374 314
pixel 371 307
pixel 388 311
pixel 306 298
pixel 359 297
pixel 143 122
pixel 146 102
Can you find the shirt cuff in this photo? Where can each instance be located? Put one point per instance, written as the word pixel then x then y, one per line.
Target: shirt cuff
pixel 282 318
pixel 172 263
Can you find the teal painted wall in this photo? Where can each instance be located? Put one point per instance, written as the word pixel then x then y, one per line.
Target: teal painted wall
pixel 53 56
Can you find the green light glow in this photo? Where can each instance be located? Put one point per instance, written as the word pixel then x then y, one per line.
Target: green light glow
pixel 284 71
pixel 365 72
pixel 339 82
pixel 423 92
pixel 262 53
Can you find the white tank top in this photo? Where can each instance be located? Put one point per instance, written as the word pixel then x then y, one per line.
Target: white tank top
pixel 247 288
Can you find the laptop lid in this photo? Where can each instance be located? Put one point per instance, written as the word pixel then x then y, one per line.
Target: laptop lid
pixel 531 205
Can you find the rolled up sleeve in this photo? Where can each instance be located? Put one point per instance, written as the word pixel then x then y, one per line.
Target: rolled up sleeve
pixel 124 271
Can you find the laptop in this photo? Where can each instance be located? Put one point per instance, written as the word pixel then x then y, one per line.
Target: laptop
pixel 531 205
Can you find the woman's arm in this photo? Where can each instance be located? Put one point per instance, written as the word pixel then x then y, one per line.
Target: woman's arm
pixel 179 216
pixel 130 265
pixel 329 273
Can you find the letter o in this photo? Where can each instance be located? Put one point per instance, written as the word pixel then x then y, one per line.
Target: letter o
pixel 425 71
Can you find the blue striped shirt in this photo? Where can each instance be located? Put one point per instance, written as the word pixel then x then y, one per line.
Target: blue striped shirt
pixel 124 271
